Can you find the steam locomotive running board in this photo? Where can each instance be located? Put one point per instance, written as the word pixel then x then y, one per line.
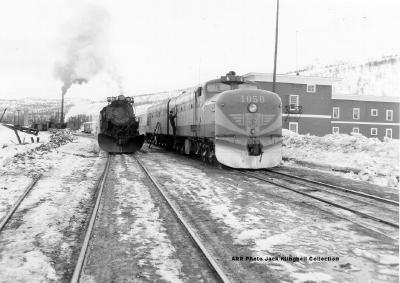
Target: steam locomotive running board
pixel 110 144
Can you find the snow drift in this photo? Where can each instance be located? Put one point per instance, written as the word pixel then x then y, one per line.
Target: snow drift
pixel 366 159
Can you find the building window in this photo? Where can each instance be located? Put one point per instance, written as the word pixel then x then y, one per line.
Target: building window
pixel 374 112
pixel 356 130
pixel 336 112
pixel 389 115
pixel 388 133
pixel 335 130
pixel 311 88
pixel 356 113
pixel 294 127
pixel 293 101
pixel 374 131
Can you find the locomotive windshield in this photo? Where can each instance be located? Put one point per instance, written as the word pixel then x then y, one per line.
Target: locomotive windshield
pixel 217 87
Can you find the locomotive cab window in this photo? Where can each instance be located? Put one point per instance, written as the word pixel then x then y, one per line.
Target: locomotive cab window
pixel 217 87
pixel 247 86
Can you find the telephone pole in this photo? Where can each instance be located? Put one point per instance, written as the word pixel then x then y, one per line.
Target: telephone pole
pixel 18 117
pixel 276 45
pixel 62 109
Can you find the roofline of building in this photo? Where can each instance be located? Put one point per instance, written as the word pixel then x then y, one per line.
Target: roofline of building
pixel 292 79
pixel 366 98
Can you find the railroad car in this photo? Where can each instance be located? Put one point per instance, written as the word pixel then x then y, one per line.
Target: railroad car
pixel 88 127
pixel 118 127
pixel 229 120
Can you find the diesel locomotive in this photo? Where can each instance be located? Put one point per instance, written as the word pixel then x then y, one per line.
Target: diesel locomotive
pixel 118 126
pixel 229 120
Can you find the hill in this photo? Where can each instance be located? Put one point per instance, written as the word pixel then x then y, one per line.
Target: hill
pixel 375 77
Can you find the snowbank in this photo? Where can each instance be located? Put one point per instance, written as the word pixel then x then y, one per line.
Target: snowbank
pixel 28 158
pixel 7 137
pixel 9 145
pixel 366 159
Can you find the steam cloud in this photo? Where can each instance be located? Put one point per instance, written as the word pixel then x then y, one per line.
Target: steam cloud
pixel 85 44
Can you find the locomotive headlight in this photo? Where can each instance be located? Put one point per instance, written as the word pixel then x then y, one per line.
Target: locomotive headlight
pixel 252 107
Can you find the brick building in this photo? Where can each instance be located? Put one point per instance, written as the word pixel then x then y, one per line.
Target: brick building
pixel 308 106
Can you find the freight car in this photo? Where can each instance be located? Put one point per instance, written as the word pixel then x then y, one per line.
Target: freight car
pixel 229 120
pixel 118 127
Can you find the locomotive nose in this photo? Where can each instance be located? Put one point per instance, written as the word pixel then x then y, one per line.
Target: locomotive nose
pixel 250 110
pixel 249 122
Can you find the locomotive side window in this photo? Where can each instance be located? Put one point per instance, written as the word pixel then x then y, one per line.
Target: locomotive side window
pixel 198 91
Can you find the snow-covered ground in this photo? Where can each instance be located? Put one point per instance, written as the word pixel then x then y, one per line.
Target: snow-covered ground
pixel 253 218
pixel 366 159
pixel 37 244
pixel 9 145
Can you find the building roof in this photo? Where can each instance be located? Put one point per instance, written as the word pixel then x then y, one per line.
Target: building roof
pixel 365 98
pixel 292 79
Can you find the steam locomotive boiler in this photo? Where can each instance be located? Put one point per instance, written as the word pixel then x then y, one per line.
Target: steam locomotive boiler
pixel 118 127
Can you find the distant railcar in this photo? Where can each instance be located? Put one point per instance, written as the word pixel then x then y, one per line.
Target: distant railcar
pixel 228 119
pixel 88 127
pixel 118 127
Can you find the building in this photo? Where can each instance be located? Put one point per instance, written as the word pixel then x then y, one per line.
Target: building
pixel 371 116
pixel 310 107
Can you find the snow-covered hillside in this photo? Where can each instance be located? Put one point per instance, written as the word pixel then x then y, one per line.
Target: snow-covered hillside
pixel 379 77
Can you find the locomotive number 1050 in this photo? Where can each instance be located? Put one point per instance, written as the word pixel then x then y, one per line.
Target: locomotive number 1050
pixel 253 98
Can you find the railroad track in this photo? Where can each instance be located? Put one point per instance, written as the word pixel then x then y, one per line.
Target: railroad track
pixel 307 182
pixel 11 212
pixel 216 270
pixel 323 193
pixel 82 255
pixel 331 189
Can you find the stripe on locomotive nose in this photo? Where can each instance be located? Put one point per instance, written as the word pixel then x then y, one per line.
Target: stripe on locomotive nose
pixel 239 119
pixel 267 118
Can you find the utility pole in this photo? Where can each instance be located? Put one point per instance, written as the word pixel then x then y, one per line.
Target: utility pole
pixel 18 117
pixel 62 109
pixel 297 62
pixel 276 45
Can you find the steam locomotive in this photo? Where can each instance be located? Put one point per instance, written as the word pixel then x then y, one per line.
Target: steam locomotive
pixel 229 119
pixel 118 127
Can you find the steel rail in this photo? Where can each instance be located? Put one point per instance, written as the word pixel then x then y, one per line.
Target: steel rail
pixel 396 225
pixel 322 188
pixel 338 188
pixel 195 239
pixel 18 202
pixel 82 255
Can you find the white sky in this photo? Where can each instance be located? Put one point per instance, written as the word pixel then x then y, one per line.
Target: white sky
pixel 169 44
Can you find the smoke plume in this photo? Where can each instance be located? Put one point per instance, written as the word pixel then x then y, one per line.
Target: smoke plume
pixel 85 43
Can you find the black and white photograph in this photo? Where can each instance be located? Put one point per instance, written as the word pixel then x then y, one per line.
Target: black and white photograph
pixel 199 141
